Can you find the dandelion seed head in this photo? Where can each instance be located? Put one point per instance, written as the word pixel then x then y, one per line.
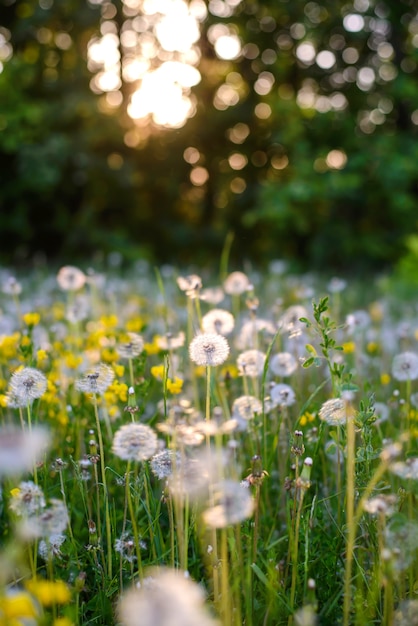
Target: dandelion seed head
pixel 191 285
pixel 50 547
pixel 357 321
pixel 336 285
pixel 236 283
pixel 27 500
pixel 96 380
pixel 218 321
pixel 78 310
pixel 135 442
pixel 405 366
pixel 46 523
pixel 251 363
pixel 167 598
pixel 250 331
pixel 212 295
pixel 195 473
pixel 334 412
pixel 283 364
pixel 209 349
pixel 232 505
pixel 381 410
pixel 125 546
pixel 131 348
pixel 401 538
pixel 406 614
pixel 171 342
pixel 406 469
pixel 11 286
pixel 20 450
pixel 27 384
pixel 290 322
pixel 381 505
pixel 282 395
pixel 246 407
pixel 163 463
pixel 71 278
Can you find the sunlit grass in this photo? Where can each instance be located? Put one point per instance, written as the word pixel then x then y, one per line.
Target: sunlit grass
pixel 156 472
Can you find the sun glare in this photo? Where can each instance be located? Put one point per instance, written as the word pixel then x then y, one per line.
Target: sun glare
pixel 156 49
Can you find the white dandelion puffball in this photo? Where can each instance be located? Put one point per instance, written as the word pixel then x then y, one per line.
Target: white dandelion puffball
pixel 135 442
pixel 209 349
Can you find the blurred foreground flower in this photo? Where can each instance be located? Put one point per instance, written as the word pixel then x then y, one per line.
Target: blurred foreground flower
pixel 19 450
pixel 165 598
pixel 233 504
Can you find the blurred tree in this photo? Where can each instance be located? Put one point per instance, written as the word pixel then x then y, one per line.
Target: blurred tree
pixel 156 128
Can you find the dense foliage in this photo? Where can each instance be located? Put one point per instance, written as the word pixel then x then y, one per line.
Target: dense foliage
pixel 306 140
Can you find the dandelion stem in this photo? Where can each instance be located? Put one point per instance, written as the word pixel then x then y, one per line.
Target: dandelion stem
pixel 106 494
pixel 133 518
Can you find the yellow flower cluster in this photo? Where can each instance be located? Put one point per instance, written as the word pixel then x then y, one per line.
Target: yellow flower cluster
pixel 173 386
pixel 31 319
pixel 16 608
pixel 49 592
pixel 306 418
pixel 9 345
pixel 349 347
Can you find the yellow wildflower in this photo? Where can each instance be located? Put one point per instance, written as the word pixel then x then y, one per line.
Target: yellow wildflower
pixel 119 370
pixel 152 348
pixel 109 321
pixel 8 346
pixel 41 356
pixel 230 370
pixel 372 347
pixel 31 319
pixel 15 492
pixel 200 371
pixel 109 355
pixel 116 391
pixel 3 400
pixel 62 417
pixel 58 311
pixel 174 386
pixel 72 361
pixel 384 379
pixel 49 592
pixel 114 412
pixel 17 605
pixel 349 347
pixel 62 621
pixel 306 418
pixel 376 311
pixel 25 341
pixel 135 325
pixel 158 371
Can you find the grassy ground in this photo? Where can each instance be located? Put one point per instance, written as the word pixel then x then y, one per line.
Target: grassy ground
pixel 228 450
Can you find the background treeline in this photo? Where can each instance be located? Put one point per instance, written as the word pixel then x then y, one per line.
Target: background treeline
pixel 331 169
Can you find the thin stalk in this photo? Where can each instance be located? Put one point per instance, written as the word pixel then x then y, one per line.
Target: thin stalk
pixel 295 554
pixel 106 493
pixel 350 489
pixel 225 594
pixel 133 518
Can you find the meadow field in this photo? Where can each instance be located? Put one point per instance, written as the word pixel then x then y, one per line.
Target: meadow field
pixel 197 449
